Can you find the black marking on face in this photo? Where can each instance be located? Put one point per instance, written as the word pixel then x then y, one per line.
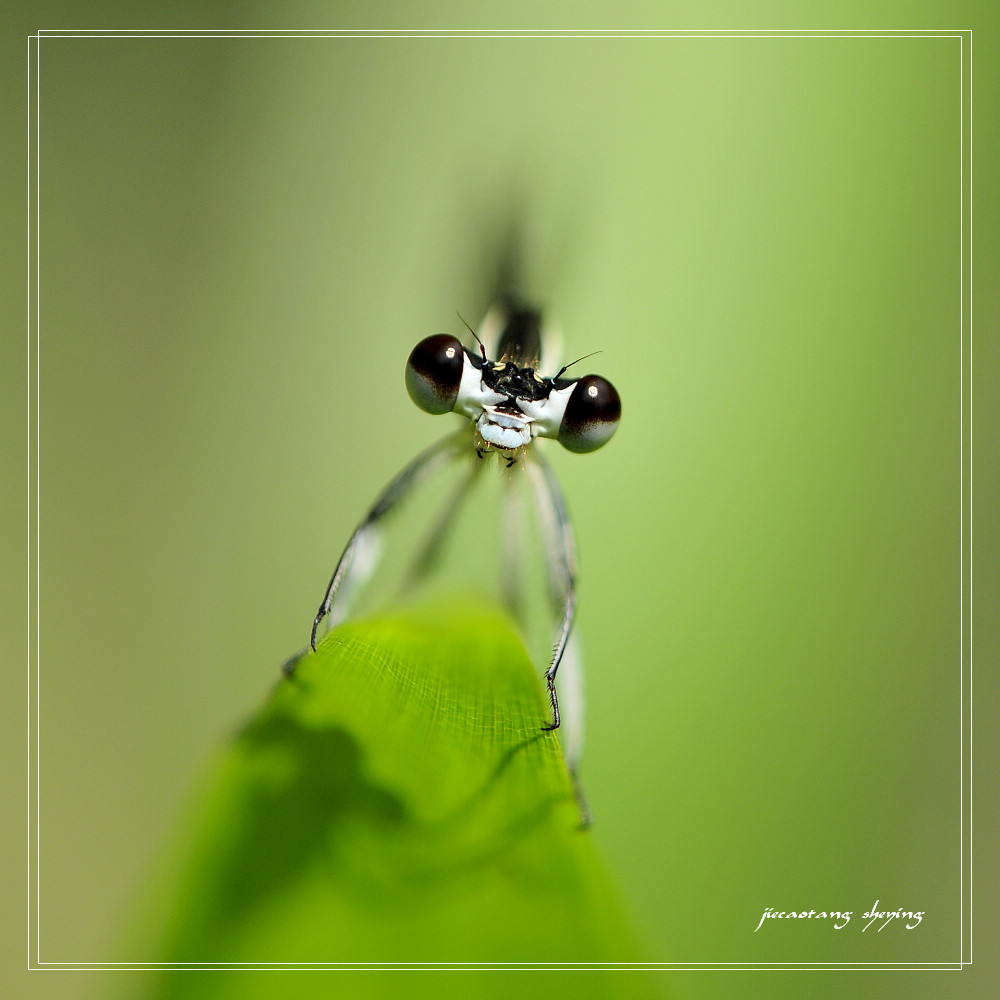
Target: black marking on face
pixel 515 382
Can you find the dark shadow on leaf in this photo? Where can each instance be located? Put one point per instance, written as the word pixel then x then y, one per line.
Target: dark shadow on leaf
pixel 302 786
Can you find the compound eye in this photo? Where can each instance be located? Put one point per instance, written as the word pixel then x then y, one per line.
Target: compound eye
pixel 434 372
pixel 592 414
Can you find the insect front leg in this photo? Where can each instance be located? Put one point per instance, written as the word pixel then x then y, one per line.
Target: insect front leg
pixel 561 553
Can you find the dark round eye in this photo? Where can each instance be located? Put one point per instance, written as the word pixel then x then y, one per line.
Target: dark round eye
pixel 434 372
pixel 592 414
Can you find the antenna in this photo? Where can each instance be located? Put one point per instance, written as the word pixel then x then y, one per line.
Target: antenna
pixel 578 360
pixel 482 346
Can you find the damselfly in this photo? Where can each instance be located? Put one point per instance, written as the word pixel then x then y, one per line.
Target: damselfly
pixel 505 404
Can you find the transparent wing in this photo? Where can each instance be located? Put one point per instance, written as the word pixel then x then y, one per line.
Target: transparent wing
pixel 363 552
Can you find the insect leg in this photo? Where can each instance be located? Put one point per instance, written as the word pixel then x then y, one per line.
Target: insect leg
pixel 561 551
pixel 365 533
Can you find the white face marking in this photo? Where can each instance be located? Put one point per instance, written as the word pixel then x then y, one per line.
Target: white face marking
pixel 502 437
pixel 503 429
pixel 473 394
pixel 547 414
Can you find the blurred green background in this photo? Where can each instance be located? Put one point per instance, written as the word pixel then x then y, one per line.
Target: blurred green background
pixel 239 242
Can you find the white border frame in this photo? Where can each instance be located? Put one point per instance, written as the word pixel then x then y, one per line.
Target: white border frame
pixel 34 459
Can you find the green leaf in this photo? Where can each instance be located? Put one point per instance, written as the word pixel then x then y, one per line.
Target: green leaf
pixel 395 801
